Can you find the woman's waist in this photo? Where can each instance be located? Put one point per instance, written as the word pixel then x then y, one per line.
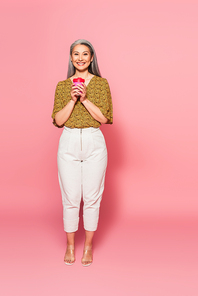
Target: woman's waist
pixel 83 130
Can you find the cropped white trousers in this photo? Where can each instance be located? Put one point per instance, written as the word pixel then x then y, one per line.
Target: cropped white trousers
pixel 82 162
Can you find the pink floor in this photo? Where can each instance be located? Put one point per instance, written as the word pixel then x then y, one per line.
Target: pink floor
pixel 141 257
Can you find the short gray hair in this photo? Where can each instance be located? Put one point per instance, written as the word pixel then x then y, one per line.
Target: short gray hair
pixel 93 67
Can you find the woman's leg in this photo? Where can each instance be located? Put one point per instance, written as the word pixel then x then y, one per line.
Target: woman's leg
pixel 70 238
pixel 69 172
pixel 89 238
pixel 69 254
pixel 93 176
pixel 87 253
pixel 69 169
pixel 93 187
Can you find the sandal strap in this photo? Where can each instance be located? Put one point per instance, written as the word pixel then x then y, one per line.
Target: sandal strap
pixel 70 247
pixel 86 248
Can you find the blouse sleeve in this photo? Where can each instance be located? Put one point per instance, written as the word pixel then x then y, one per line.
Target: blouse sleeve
pixel 106 102
pixel 58 103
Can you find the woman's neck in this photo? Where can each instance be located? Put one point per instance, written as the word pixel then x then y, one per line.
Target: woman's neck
pixel 84 75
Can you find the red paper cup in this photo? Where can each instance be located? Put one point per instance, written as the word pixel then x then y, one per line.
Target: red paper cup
pixel 78 80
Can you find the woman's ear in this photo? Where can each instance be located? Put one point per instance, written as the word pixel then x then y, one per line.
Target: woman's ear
pixel 92 58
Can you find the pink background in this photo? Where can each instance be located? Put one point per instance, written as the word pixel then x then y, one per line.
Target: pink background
pixel 147 50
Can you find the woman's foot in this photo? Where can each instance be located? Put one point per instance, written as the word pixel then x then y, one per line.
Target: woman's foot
pixel 69 255
pixel 87 256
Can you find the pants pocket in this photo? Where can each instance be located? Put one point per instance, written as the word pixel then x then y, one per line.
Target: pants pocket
pixel 99 140
pixel 64 142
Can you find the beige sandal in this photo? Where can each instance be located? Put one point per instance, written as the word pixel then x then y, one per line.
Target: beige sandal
pixel 69 255
pixel 87 256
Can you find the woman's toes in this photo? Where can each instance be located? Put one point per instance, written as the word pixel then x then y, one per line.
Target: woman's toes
pixel 69 255
pixel 87 256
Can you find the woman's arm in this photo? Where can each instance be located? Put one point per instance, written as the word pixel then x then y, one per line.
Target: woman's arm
pixel 63 115
pixel 94 111
pixel 91 108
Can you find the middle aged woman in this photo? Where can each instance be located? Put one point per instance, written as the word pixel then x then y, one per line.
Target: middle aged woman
pixel 82 153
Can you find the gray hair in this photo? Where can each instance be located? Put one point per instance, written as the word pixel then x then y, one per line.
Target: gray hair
pixel 93 67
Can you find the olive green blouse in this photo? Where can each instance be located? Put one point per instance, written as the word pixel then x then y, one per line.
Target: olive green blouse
pixel 98 93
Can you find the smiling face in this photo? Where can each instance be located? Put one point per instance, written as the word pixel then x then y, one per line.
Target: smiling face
pixel 81 57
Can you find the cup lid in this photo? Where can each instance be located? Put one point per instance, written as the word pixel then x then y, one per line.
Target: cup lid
pixel 79 79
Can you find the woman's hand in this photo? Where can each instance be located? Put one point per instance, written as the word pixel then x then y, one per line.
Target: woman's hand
pixel 78 91
pixel 82 91
pixel 74 93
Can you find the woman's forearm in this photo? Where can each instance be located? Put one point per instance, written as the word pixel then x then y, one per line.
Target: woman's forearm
pixel 94 111
pixel 63 115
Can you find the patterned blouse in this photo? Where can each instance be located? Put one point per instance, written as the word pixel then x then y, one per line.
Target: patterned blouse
pixel 98 93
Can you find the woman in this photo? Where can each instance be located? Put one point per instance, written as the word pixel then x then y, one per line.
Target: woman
pixel 82 153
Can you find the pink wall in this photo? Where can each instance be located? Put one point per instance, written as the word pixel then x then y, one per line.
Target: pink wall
pixel 148 52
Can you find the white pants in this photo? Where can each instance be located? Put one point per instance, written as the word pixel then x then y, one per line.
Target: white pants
pixel 82 162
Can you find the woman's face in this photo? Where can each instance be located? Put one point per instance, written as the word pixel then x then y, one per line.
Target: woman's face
pixel 81 57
